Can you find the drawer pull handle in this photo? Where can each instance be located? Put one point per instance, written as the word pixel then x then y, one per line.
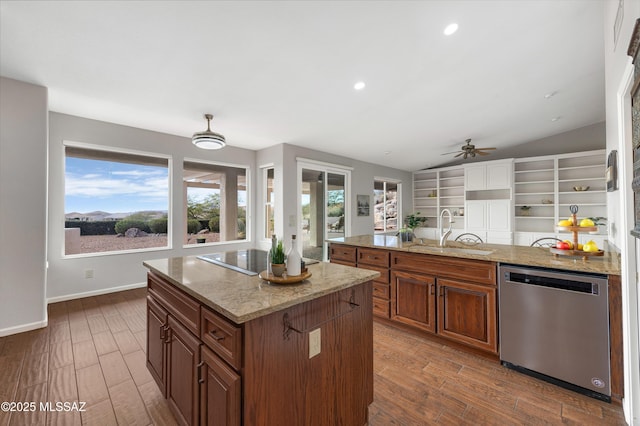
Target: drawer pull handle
pixel 215 336
pixel 199 367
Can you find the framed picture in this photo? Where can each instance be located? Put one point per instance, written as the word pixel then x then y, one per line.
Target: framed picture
pixel 363 204
pixel 612 171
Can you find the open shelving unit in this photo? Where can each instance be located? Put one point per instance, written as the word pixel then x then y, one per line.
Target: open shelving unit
pixel 545 184
pixel 438 189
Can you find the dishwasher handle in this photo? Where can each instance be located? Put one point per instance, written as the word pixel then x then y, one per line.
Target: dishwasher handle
pixel 574 284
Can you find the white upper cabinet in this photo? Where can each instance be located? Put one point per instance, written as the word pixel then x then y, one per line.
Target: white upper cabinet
pixel 488 175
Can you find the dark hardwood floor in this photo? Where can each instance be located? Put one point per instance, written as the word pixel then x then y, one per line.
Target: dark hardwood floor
pixel 93 352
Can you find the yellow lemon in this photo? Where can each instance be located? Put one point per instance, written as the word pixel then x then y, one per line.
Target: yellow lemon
pixel 590 246
pixel 586 222
pixel 565 222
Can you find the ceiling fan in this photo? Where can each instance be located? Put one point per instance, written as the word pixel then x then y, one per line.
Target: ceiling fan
pixel 469 150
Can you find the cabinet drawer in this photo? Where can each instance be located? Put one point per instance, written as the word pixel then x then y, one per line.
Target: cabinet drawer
pixel 380 307
pixel 384 273
pixel 477 271
pixel 181 306
pixel 381 291
pixel 342 253
pixel 373 257
pixel 224 338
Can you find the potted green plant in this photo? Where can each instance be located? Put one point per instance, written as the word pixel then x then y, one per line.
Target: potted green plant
pixel 411 222
pixel 525 210
pixel 277 259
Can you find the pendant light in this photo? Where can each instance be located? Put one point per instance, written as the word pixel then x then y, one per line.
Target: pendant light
pixel 208 139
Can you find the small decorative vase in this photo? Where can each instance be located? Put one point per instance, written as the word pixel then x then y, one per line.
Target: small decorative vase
pixel 277 269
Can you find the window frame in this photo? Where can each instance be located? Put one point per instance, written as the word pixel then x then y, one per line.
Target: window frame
pixel 400 221
pixel 116 150
pixel 249 216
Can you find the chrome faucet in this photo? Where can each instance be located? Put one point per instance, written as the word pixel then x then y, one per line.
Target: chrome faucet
pixel 445 234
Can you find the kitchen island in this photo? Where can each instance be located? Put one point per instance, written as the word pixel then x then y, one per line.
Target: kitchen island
pixel 451 293
pixel 228 348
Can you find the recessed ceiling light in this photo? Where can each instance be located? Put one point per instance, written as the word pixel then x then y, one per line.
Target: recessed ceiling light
pixel 556 118
pixel 359 85
pixel 550 95
pixel 450 29
pixel 387 152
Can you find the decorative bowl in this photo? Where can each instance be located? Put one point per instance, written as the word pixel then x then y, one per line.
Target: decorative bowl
pixel 580 188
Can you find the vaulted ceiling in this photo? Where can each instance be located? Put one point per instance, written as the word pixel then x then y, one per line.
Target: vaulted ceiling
pixel 284 72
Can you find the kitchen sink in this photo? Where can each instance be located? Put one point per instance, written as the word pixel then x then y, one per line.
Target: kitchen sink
pixel 437 249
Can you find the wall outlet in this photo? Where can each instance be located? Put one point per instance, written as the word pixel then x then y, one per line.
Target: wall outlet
pixel 88 273
pixel 314 343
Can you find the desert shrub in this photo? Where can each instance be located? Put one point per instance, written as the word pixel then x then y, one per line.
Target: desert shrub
pixel 101 227
pixel 124 224
pixel 158 226
pixel 193 226
pixel 214 224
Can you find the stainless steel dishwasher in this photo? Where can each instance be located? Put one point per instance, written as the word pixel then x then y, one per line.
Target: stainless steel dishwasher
pixel 555 325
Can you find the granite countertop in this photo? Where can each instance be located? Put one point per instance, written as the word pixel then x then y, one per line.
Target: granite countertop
pixel 241 297
pixel 519 255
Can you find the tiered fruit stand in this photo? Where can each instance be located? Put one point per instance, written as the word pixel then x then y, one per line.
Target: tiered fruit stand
pixel 575 230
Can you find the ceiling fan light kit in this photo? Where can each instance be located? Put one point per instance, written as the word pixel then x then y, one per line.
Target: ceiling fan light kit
pixel 469 150
pixel 208 139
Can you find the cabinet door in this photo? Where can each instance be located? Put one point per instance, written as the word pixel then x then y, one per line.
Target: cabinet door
pixel 467 313
pixel 499 176
pixel 413 299
pixel 156 336
pixel 475 178
pixel 499 215
pixel 220 391
pixel 183 356
pixel 475 216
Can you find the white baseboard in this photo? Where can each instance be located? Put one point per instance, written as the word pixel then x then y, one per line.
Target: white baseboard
pixel 95 292
pixel 22 328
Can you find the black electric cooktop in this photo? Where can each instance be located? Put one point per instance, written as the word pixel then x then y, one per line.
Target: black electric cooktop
pixel 249 262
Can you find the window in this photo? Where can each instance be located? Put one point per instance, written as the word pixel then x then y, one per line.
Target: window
pixel 269 202
pixel 114 201
pixel 386 199
pixel 215 203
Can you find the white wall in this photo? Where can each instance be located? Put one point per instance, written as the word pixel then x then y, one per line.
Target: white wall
pixel 620 203
pixel 23 197
pixel 66 275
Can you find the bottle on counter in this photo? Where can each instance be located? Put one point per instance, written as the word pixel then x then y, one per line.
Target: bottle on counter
pixel 294 259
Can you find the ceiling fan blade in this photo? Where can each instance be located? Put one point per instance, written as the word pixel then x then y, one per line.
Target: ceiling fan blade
pixel 482 153
pixel 447 153
pixel 484 149
pixel 459 154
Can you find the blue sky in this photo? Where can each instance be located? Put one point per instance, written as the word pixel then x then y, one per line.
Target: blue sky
pixel 114 187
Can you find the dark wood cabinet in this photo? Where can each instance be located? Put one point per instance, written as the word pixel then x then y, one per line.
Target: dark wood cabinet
pixel 467 313
pixel 342 254
pixel 450 297
pixel 156 337
pixel 262 372
pixel 183 357
pixel 374 260
pixel 413 299
pixel 220 391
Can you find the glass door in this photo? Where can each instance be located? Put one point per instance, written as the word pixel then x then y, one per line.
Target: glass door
pixel 323 209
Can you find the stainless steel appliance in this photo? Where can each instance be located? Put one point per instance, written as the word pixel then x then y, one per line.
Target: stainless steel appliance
pixel 555 325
